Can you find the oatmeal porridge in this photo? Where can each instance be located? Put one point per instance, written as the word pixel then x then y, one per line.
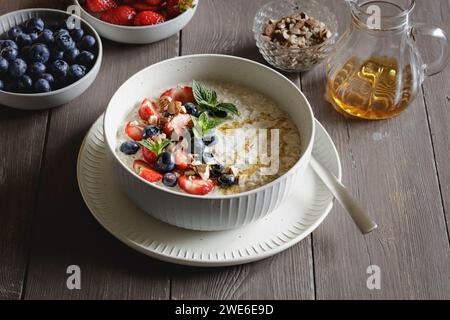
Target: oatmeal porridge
pixel 209 137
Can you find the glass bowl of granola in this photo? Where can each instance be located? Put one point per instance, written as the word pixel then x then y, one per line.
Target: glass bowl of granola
pixel 295 35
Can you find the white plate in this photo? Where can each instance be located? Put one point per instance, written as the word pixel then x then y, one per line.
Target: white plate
pixel 294 220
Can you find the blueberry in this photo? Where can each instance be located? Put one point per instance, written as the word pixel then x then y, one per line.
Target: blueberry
pixel 220 114
pixel 59 68
pixel 2 85
pixel 151 131
pixel 129 147
pixel 77 34
pixel 37 69
pixel 60 31
pixel 8 43
pixel 17 68
pixel 192 109
pixel 71 54
pixel 207 157
pixel 25 83
pixel 24 52
pixel 23 40
pixel 56 55
pixel 34 36
pixel 87 42
pixel 76 72
pixel 48 77
pixel 63 41
pixel 14 32
pixel 227 180
pixel 34 25
pixel 86 58
pixel 170 179
pixel 9 53
pixel 4 65
pixel 39 53
pixel 46 37
pixel 41 86
pixel 165 162
pixel 217 170
pixel 210 140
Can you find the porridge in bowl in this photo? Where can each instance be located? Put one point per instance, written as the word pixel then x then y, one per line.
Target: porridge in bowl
pixel 209 138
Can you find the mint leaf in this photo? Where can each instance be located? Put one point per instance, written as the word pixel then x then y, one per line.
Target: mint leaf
pixel 207 99
pixel 204 124
pixel 228 107
pixel 203 93
pixel 154 146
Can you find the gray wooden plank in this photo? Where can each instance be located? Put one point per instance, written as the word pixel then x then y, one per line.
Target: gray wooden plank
pixel 22 136
pixel 225 27
pixel 437 98
pixel 395 178
pixel 65 233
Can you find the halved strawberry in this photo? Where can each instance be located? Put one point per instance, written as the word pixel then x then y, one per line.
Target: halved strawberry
pixel 151 149
pixel 147 18
pixel 182 94
pixel 177 125
pixel 100 5
pixel 134 131
pixel 196 185
pixel 146 172
pixel 148 109
pixel 122 15
pixel 176 7
pixel 181 159
pixel 149 155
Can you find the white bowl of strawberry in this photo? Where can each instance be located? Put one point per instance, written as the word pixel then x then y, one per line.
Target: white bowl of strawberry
pixel 137 21
pixel 179 144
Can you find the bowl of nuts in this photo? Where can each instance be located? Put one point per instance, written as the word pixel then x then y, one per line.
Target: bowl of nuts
pixel 295 35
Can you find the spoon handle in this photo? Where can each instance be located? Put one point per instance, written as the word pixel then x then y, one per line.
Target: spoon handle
pixel 359 216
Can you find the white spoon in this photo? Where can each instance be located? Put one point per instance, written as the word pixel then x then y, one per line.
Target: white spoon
pixel 340 192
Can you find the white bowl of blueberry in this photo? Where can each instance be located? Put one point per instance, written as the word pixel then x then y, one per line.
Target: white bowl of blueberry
pixel 46 61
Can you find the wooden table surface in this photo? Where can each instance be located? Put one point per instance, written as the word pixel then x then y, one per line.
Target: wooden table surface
pixel 400 170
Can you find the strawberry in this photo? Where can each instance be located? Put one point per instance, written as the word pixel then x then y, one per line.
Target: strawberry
pixel 181 160
pixel 146 172
pixel 100 5
pixel 147 18
pixel 151 149
pixel 149 155
pixel 144 7
pixel 155 3
pixel 177 7
pixel 177 125
pixel 148 109
pixel 196 185
pixel 182 94
pixel 122 15
pixel 134 131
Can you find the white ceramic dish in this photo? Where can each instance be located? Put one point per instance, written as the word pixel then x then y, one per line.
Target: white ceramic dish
pixel 58 97
pixel 299 215
pixel 138 35
pixel 208 213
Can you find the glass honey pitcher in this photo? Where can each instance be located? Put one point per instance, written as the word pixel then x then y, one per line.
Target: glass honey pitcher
pixel 376 69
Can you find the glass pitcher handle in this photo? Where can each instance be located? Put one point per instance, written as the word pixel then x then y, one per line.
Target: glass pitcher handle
pixel 437 66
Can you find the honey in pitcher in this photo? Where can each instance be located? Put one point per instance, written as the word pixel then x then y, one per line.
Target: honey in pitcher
pixel 371 89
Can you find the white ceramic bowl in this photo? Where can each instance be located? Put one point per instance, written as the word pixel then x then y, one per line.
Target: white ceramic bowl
pixel 208 213
pixel 38 101
pixel 138 35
